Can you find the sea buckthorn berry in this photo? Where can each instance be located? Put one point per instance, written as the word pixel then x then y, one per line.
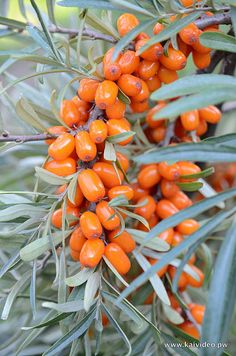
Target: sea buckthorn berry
pixel 169 171
pixel 174 60
pixel 129 62
pixel 107 59
pixel 152 221
pixel 143 95
pixel 149 176
pixel 183 280
pixel 83 108
pixel 78 198
pixel 190 120
pixel 55 130
pixel 69 113
pixel 147 69
pixel 167 235
pixel 157 28
pixel 177 238
pixel 194 282
pixel 150 116
pixel 198 47
pixel 126 23
pixel 187 3
pixel 77 240
pixel 189 328
pixel 124 240
pixel 139 192
pixel 153 53
pixel 107 216
pixel 153 83
pixel 190 34
pixel 106 94
pixel 74 255
pixel 62 147
pixel 125 190
pixel 158 133
pixel 108 174
pixel 90 225
pixel 161 271
pixel 85 147
pixel 87 89
pixel 116 111
pixel 187 168
pixel 183 47
pixel 130 84
pixel 148 208
pixel 123 161
pixel 188 227
pixel 181 200
pixel 112 71
pixel 91 185
pixel 200 60
pixel 98 131
pixel 197 312
pixel 117 257
pixel 166 75
pixel 139 106
pixel 192 259
pixel 165 209
pixel 168 188
pixel 211 114
pixel 173 301
pixel 116 127
pixel 202 127
pixel 142 36
pixel 57 216
pixel 92 252
pixel 61 168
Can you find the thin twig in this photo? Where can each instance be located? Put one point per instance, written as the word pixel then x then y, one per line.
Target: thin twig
pixel 23 138
pixel 218 19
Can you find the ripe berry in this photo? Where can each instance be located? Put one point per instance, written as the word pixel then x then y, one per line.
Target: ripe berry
pixel 211 114
pixel 124 240
pixel 150 119
pixel 85 147
pixel 62 147
pixel 153 83
pixel 165 209
pixel 187 168
pixel 74 255
pixel 149 176
pixel 126 23
pixel 106 94
pixel 158 133
pixel 183 47
pixel 107 216
pixel 157 28
pixel 161 271
pixel 117 257
pixel 201 61
pixel 61 168
pixel 77 240
pixel 78 198
pixel 183 281
pixel 166 75
pixel 143 95
pixel 55 130
pixel 138 192
pixel 108 174
pixel 90 225
pixel 189 329
pixel 177 238
pixel 87 89
pixel 98 131
pixel 112 71
pixel 168 188
pixel 130 84
pixel 192 281
pixel 175 60
pixel 147 69
pixel 129 62
pixel 181 200
pixel 124 190
pixel 83 108
pixel 123 161
pixel 190 120
pixel 69 113
pixel 91 185
pixel 116 111
pixel 190 34
pixel 147 209
pixel 153 53
pixel 167 235
pixel 169 171
pixel 116 127
pixel 139 106
pixel 188 227
pixel 57 216
pixel 91 253
pixel 202 127
pixel 197 312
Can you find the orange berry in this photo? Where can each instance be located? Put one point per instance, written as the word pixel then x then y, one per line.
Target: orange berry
pixel 143 95
pixel 190 120
pixel 126 23
pixel 61 168
pixel 161 271
pixel 105 213
pixel 108 174
pixel 202 127
pixel 190 34
pixel 187 3
pixel 83 108
pixel 211 114
pixel 150 119
pixel 147 69
pixel 69 113
pixel 197 312
pixel 87 89
pixel 57 216
pixel 74 255
pixel 77 240
pixel 177 238
pixel 117 257
pixel 91 185
pixel 158 133
pixel 175 60
pixel 181 200
pixel 107 59
pixel 183 47
pixel 78 198
pixel 123 161
pixel 173 301
pixel 192 281
pixel 85 147
pixel 201 61
pixel 153 83
pixel 125 190
pixel 130 84
pixel 152 221
pixel 198 47
pixel 129 62
pixel 116 127
pixel 148 208
pixel 90 225
pixel 91 253
pixel 169 171
pixel 157 28
pixel 168 188
pixel 167 235
pixel 98 131
pixel 55 130
pixel 188 227
pixel 106 94
pixel 187 168
pixel 190 329
pixel 166 75
pixel 62 147
pixel 138 192
pixel 116 111
pixel 165 209
pixel 139 106
pixel 183 280
pixel 112 71
pixel 153 53
pixel 124 240
pixel 142 36
pixel 149 176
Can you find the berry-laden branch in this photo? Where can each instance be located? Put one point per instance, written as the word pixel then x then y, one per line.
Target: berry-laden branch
pixel 217 19
pixel 5 137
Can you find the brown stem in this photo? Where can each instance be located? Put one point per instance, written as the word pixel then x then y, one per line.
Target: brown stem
pixel 21 139
pixel 218 19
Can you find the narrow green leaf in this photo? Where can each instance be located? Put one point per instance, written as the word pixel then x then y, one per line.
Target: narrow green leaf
pixel 91 288
pixel 203 174
pixel 27 113
pixel 88 4
pixel 53 321
pixel 109 152
pixel 218 41
pixel 190 186
pixel 156 244
pixel 50 8
pixel 12 23
pixel 68 307
pixel 49 177
pixel 72 187
pixel 120 137
pixel 135 216
pixel 21 210
pixel 123 97
pixel 172 315
pixel 33 289
pixel 79 278
pixel 116 273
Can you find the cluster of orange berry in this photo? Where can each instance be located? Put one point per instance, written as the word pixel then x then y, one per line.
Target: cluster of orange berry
pixel 95 114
